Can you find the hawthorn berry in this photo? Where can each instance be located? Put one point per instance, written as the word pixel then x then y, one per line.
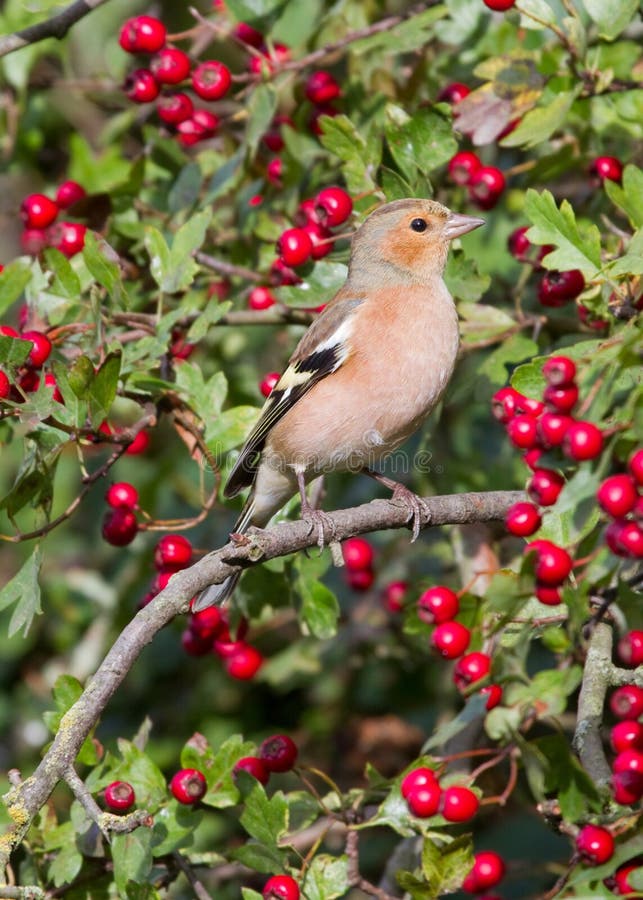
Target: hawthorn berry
pixel 170 66
pixel 532 457
pixel 41 349
pixel 244 663
pixel 333 206
pixel 471 668
pixel 553 563
pixel 635 465
pixel 458 804
pixel 321 87
pixel 279 753
pixel 140 443
pixel 282 274
pixel 360 579
pixel 630 648
pixel 119 526
pixel 453 93
pixel 5 386
pixel 622 884
pixel 504 404
pixel 141 86
pixel 544 486
pixel 273 139
pixel 451 639
pixel 424 800
pixel 625 538
pixel 253 766
pixel 206 623
pixel 393 596
pixel 211 80
pixel 261 298
pixel 268 382
pixel 519 244
pixel 559 370
pixel 174 108
pixel 142 34
pixel 523 431
pixel 173 550
pixel 487 870
pixel 68 193
pixel 523 519
pixel 68 237
pixel 627 735
pixel 247 34
pixel 320 238
pixel 122 493
pixel 486 186
pixel 557 288
pixel 437 605
pixel 38 211
pixel 550 596
pixel 493 693
pixel 188 786
pixel 119 796
pixel 33 241
pixel 583 441
pixel 358 553
pixel 417 778
pixel 274 170
pixel 626 702
pixel 607 168
pixel 562 398
pixel 499 5
pixel 552 428
pixel 294 246
pixel 281 887
pixel 595 845
pixel 463 166
pixel 617 495
pixel 627 787
pixel 268 60
pixel 194 644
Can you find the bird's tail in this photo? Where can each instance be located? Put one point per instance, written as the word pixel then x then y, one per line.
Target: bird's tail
pixel 218 594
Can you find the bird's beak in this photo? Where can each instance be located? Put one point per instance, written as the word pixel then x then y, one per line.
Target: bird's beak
pixel 458 224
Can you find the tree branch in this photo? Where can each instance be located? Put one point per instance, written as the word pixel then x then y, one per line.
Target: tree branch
pixel 56 27
pixel 596 679
pixel 24 800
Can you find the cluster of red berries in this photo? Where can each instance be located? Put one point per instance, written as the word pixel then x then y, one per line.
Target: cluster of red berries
pixel 425 797
pixel 168 67
pixel 358 559
pixel 626 740
pixel 439 606
pixel 39 214
pixel 208 632
pixel 27 378
pixel 281 887
pixel 120 525
pixel 485 184
pixel 277 753
pixel 487 871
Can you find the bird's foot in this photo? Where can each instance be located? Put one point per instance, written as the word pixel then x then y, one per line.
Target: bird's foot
pixel 317 519
pixel 419 512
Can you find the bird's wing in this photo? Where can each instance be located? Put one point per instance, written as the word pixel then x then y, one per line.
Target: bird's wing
pixel 321 351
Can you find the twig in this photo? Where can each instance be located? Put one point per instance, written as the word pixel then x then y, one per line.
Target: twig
pixel 226 268
pixel 596 679
pixel 24 801
pixel 354 876
pixel 199 891
pixel 57 26
pixel 107 822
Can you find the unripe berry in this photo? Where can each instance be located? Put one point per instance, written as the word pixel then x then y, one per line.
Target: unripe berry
pixel 211 80
pixel 607 167
pixel 463 166
pixel 544 486
pixel 281 887
pixel 122 493
pixel 261 298
pixel 453 93
pixel 488 869
pixel 68 193
pixel 486 186
pixel 630 648
pixel 458 804
pixel 188 786
pixel 142 34
pixel 451 639
pixel 424 800
pixel 617 495
pixel 437 605
pixel 583 441
pixel 321 87
pixel 40 350
pixel 559 370
pixel 141 86
pixel 244 663
pixel 358 553
pixel 278 752
pixel 471 668
pixel 333 206
pixel 119 796
pixel 268 382
pixel 174 108
pixel 627 735
pixel 523 519
pixel 627 702
pixel 253 766
pixel 294 246
pixel 595 845
pixel 173 550
pixel 417 778
pixel 553 564
pixel 119 526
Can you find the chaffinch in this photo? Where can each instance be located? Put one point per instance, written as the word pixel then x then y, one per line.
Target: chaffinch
pixel 364 376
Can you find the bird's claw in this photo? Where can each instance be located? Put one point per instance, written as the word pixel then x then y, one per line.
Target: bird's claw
pixel 419 512
pixel 316 518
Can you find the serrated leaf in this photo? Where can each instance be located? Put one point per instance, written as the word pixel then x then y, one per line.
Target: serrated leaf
pixel 576 511
pixel 142 773
pixel 103 387
pixel 205 397
pixel 407 36
pixel 229 429
pixel 159 253
pixel 326 877
pixel 265 818
pixel 463 279
pixel 65 281
pixel 174 828
pixel 187 240
pixel 185 188
pixel 66 864
pixel 80 377
pixel 575 249
pixel 212 313
pixel 217 767
pixel 13 351
pixel 260 857
pixel 446 867
pixel 23 590
pixel 421 142
pixel 565 777
pixel 261 110
pixel 132 857
pixel 478 321
pixel 510 353
pixel 319 286
pixel 611 16
pixel 319 610
pixel 13 280
pixel 360 159
pixel 104 270
pixel 547 692
pixel 629 196
pixel 538 125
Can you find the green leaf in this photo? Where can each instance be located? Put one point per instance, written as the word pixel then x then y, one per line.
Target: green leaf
pixel 205 397
pixel 575 248
pixel 13 351
pixel 261 110
pixel 463 279
pixel 23 590
pixel 66 864
pixel 326 877
pixel 159 254
pixel 411 34
pixel 512 351
pixel 547 692
pixel 212 313
pixel 319 607
pixel 230 429
pixel 319 286
pixel 13 280
pixel 142 773
pixel 102 391
pixel 225 176
pixel 538 8
pixel 445 868
pixel 187 240
pixel 264 818
pixel 260 857
pixel 629 196
pixel 611 16
pixel 186 188
pixel 480 321
pixel 298 22
pixel 65 281
pixel 566 778
pixel 80 377
pixel 421 142
pixel 538 125
pixel 102 268
pixel 174 828
pixel 251 10
pixel 360 159
pixel 576 511
pixel 132 857
pixel 528 379
pixel 217 767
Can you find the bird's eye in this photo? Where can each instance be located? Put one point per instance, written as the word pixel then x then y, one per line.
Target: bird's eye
pixel 419 225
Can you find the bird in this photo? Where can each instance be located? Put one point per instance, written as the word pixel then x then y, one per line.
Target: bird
pixel 363 377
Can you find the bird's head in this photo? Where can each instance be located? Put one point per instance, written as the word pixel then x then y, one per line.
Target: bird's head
pixel 409 238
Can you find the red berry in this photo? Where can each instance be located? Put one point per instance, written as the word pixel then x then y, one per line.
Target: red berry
pixel 627 735
pixel 275 170
pixel 142 34
pixel 523 431
pixel 635 465
pixel 194 644
pixel 630 760
pixel 38 211
pixel 437 605
pixel 451 639
pixel 253 766
pixel 280 273
pixel 557 288
pixel 358 553
pixel 360 579
pixel 278 752
pixel 294 246
pixel 607 167
pixel 522 519
pixel 630 648
pixel 122 493
pixel 617 495
pixel 458 804
pixel 417 778
pixel 267 61
pixel 320 238
pixel 188 786
pixel 173 550
pixel 627 702
pixel 206 623
pixel 553 564
pixel 119 796
pixel 174 108
pixel 493 693
pixel 393 596
pixel 40 350
pixel 33 241
pixel 463 166
pixel 140 443
pixel 519 244
pixel 471 668
pixel 622 884
pixel 247 34
pixel 530 405
pixel 552 428
pixel 488 869
pixel 261 298
pixel 583 441
pixel 205 123
pixel 590 319
pixel 268 382
pixel 68 237
pixel 550 596
pixel 625 538
pixel 486 186
pixel 454 92
pixel 170 66
pixel 281 887
pixel 561 399
pixel 321 87
pixel 141 86
pixel 333 206
pixel 532 457
pixel 120 526
pixel 595 845
pixel 244 663
pixel 273 138
pixel 424 800
pixel 544 486
pixel 211 80
pixel 627 787
pixel 559 370
pixel 504 404
pixel 499 5
pixel 5 386
pixel 68 193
